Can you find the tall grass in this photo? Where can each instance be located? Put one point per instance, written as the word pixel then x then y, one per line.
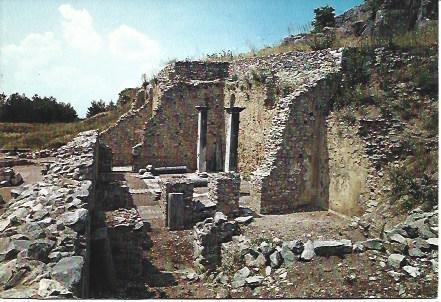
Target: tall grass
pixel 40 136
pixel 417 40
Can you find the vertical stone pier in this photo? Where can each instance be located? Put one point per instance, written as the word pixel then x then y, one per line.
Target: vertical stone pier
pixel 176 211
pixel 232 138
pixel 202 138
pixel 224 190
pixel 178 185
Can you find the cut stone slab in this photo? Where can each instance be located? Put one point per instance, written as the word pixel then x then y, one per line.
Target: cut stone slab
pixel 240 276
pixel 244 219
pixel 332 247
pixel 176 211
pixel 308 251
pixel 373 244
pixel 254 281
pixel 396 260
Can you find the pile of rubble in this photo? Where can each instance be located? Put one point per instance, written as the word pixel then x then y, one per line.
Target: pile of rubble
pixel 208 237
pixel 44 229
pixel 124 218
pixel 408 249
pixel 414 243
pixel 8 177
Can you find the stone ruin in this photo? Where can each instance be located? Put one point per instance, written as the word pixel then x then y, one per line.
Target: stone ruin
pixel 190 117
pixel 264 120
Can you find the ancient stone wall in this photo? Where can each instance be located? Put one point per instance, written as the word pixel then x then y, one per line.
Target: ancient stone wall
pixel 128 130
pixel 170 135
pixel 295 170
pixel 363 143
pixel 257 84
pixel 45 229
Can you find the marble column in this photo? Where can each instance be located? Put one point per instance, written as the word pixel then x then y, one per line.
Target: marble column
pixel 202 139
pixel 232 138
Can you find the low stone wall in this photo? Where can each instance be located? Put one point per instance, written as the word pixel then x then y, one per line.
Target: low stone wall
pixel 45 230
pixel 178 185
pixel 224 190
pixel 193 71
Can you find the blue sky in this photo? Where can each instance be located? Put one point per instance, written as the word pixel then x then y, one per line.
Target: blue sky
pixel 78 51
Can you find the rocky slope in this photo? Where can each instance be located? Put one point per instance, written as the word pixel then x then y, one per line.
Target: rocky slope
pixel 44 229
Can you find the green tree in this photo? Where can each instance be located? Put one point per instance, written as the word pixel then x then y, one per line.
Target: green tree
pixel 324 17
pixel 96 107
pixel 18 108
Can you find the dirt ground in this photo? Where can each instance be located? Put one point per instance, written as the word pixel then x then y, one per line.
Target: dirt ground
pixel 301 226
pixel 169 260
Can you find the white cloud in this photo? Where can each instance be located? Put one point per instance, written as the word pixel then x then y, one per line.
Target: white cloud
pixel 78 29
pixel 67 66
pixel 130 44
pixel 34 51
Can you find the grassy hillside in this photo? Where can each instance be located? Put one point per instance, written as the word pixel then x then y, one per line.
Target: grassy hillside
pixel 41 136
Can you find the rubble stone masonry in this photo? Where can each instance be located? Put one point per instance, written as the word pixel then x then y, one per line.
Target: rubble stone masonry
pixel 128 130
pixel 224 189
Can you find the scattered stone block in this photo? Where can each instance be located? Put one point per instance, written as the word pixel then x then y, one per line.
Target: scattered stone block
pixel 332 247
pixel 396 260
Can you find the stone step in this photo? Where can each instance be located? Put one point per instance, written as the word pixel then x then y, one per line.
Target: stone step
pixel 150 212
pixel 139 191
